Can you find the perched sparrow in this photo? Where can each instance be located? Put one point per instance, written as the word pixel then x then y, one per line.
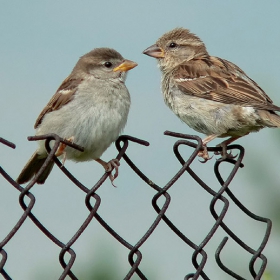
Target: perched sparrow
pixel 211 95
pixel 90 108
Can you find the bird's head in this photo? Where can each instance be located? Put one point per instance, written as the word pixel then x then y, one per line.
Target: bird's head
pixel 175 47
pixel 105 64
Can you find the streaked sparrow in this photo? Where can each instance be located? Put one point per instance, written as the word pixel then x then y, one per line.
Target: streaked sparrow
pixel 211 95
pixel 90 108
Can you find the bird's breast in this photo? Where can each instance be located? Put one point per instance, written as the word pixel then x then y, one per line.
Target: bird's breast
pixel 94 118
pixel 210 117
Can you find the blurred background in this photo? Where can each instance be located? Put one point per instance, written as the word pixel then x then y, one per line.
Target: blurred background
pixel 40 43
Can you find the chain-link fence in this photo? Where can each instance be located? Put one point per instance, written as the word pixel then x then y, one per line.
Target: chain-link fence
pixel 93 202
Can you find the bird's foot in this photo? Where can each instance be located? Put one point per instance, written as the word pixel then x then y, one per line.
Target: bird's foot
pixel 224 154
pixel 61 150
pixel 113 164
pixel 204 154
pixel 109 166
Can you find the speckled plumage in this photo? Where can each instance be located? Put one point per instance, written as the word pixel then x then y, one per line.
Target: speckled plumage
pixel 211 95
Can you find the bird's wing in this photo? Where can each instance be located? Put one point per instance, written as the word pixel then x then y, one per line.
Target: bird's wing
pixel 63 95
pixel 220 80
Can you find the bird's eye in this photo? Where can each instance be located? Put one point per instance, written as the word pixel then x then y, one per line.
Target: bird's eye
pixel 107 64
pixel 172 45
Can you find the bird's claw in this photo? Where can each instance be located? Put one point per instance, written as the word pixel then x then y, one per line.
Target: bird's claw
pixel 113 164
pixel 204 154
pixel 224 154
pixel 61 149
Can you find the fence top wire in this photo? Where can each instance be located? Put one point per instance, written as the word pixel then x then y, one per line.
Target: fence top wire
pixel 93 202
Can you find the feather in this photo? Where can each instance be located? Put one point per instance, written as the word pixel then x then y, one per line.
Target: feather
pixel 63 95
pixel 219 80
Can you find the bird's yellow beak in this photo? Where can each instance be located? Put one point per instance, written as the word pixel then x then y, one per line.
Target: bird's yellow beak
pixel 154 51
pixel 125 66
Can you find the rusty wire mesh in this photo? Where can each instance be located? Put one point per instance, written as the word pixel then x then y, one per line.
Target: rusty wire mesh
pixel 93 202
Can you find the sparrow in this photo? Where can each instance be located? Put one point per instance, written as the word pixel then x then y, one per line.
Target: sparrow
pixel 90 108
pixel 211 95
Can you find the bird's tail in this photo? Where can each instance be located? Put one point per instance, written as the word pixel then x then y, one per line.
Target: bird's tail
pixel 31 169
pixel 270 118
